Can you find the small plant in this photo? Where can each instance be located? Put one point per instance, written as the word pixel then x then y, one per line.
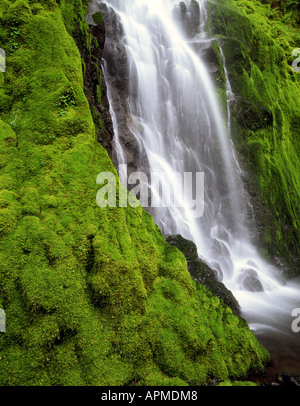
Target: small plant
pixel 66 101
pixel 15 33
pixel 219 81
pixel 61 113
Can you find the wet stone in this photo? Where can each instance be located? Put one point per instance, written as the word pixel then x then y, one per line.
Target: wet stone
pixel 250 281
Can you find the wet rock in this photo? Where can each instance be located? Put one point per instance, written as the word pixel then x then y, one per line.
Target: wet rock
pixel 114 55
pixel 95 86
pixel 287 380
pixel 218 248
pixel 183 9
pixel 116 58
pixel 201 272
pixel 211 59
pixel 250 281
pixel 188 16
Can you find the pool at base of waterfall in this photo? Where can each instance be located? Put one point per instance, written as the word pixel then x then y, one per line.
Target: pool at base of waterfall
pixel 284 351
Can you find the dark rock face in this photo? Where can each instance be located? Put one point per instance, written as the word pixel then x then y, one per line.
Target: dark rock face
pixel 95 87
pixel 114 56
pixel 106 48
pixel 202 273
pixel 188 16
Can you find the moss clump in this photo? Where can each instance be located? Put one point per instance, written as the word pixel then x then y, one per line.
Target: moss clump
pixel 98 18
pixel 266 114
pixel 92 296
pixel 237 383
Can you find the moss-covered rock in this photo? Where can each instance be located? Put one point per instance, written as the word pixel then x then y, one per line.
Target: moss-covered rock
pixel 92 296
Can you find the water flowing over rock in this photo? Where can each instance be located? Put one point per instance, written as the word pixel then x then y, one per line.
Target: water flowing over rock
pixel 160 65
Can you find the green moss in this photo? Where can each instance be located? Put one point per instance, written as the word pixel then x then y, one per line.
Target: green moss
pixel 98 18
pixel 237 383
pixel 92 296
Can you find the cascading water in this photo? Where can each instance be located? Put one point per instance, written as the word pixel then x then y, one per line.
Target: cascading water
pixel 171 111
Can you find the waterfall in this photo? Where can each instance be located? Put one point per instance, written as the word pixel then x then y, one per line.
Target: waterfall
pixel 165 109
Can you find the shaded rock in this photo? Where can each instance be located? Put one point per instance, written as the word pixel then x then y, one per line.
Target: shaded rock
pixel 288 380
pixel 250 281
pixel 106 46
pixel 188 16
pixel 117 73
pixel 94 84
pixel 201 272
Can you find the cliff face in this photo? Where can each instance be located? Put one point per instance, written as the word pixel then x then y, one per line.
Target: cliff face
pixel 92 296
pixel 258 39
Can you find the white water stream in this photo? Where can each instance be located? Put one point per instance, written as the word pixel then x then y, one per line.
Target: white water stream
pixel 175 117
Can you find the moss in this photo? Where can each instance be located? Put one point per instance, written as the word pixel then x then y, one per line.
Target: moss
pixel 192 341
pixel 98 18
pixel 237 383
pixel 92 296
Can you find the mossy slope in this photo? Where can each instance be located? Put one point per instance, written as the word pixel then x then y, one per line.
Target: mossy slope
pixel 258 41
pixel 92 296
